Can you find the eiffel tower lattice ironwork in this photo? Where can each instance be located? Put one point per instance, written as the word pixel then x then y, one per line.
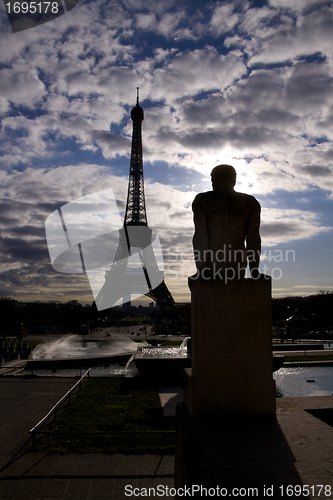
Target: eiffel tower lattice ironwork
pixel 135 240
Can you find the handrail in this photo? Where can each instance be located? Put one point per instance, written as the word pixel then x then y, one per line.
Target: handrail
pixel 68 394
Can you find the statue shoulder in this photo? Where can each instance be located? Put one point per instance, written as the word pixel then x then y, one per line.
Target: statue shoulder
pixel 202 199
pixel 248 200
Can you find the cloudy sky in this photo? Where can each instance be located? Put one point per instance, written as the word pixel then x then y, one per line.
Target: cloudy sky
pixel 248 83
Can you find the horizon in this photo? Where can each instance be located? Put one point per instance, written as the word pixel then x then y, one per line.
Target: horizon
pixel 145 303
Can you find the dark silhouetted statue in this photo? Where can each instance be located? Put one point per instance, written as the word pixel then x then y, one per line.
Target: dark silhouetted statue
pixel 226 229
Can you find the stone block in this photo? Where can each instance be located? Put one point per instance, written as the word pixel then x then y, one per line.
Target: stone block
pixel 232 366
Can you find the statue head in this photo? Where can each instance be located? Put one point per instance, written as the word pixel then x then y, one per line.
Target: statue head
pixel 223 178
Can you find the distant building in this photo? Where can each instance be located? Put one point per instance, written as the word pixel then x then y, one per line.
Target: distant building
pixel 127 303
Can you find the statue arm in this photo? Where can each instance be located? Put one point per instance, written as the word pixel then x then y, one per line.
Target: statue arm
pixel 253 241
pixel 200 238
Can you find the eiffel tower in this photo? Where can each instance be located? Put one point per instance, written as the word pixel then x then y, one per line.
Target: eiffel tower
pixel 135 240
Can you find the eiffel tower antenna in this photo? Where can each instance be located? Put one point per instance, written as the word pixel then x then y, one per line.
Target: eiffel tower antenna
pixel 127 279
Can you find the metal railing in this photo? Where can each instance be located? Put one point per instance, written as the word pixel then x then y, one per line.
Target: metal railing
pixel 54 409
pixel 35 430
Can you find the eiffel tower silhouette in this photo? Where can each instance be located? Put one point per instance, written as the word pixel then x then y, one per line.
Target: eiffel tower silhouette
pixel 136 240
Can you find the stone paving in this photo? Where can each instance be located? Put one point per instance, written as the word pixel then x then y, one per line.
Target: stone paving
pixel 306 425
pixel 25 475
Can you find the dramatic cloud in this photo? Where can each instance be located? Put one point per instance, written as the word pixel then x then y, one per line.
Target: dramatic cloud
pixel 287 225
pixel 220 82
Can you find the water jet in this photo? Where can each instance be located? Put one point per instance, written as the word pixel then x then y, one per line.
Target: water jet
pixel 70 351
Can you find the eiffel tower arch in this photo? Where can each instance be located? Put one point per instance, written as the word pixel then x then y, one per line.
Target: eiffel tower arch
pixel 135 240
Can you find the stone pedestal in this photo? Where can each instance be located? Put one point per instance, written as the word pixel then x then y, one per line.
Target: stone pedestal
pixel 232 367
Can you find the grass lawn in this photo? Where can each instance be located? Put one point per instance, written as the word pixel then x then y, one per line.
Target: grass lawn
pixel 135 319
pixel 111 405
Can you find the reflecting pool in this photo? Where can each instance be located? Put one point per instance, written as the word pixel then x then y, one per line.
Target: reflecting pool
pixel 114 370
pixel 304 381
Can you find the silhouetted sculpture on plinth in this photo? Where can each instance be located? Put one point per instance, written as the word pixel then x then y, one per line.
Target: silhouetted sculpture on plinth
pixel 224 220
pixel 231 323
pixel 229 391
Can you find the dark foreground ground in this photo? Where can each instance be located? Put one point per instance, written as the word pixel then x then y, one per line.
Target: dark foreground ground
pixel 33 476
pixel 305 424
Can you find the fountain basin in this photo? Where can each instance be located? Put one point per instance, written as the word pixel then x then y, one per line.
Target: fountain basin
pixel 164 363
pixel 170 367
pixel 163 368
pixel 70 351
pixel 81 362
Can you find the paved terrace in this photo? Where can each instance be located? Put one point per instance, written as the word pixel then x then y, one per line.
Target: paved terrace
pixel 35 476
pixel 25 475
